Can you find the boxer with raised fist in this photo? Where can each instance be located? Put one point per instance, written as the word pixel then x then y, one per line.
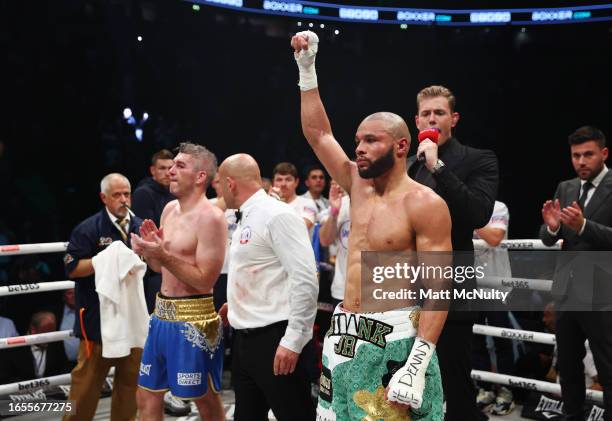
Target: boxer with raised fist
pixel 379 357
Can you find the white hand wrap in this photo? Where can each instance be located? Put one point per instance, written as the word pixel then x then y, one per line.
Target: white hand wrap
pixel 407 384
pixel 305 60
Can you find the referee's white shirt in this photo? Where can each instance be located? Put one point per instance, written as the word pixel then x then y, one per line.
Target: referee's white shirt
pixel 272 271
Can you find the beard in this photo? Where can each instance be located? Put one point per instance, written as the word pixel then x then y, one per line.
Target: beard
pixel 378 167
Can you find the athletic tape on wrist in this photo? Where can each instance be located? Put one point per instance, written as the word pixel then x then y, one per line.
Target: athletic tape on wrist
pixel 407 385
pixel 305 60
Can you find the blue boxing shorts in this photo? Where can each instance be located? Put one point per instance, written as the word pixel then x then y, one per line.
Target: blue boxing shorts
pixel 184 349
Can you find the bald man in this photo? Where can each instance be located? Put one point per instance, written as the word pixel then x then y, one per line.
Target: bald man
pixel 184 351
pixel 389 213
pixel 271 299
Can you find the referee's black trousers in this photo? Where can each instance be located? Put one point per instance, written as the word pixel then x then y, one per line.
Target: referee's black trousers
pixel 257 388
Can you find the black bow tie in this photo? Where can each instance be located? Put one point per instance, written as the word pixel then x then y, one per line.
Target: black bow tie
pixel 238 215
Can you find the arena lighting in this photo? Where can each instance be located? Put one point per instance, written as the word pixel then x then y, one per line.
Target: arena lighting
pixel 310 10
pixel 129 118
pixel 410 16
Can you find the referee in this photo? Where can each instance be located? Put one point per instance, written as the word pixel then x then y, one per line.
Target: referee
pixel 271 299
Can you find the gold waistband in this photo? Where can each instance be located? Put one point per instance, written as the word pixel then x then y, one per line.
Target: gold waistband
pixel 185 309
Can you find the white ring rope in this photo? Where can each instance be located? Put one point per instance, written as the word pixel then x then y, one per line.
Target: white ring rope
pixel 27 385
pixel 33 288
pixel 502 282
pixel 521 335
pixel 16 249
pixel 61 379
pixel 531 384
pixel 526 244
pixel 38 338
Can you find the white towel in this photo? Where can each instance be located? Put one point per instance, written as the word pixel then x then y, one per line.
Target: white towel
pixel 124 320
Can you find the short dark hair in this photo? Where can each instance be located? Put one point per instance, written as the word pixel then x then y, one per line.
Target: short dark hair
pixel 163 154
pixel 587 134
pixel 285 168
pixel 314 168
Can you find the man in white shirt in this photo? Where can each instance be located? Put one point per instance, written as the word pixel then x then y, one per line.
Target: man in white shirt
pixel 495 262
pixel 284 183
pixel 315 183
pixel 184 350
pixel 7 328
pixel 71 345
pixel 272 299
pixel 335 231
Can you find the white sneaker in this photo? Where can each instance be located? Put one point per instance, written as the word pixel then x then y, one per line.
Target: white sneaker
pixel 504 403
pixel 485 400
pixel 174 406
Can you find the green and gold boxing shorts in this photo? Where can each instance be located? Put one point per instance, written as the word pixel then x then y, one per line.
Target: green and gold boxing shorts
pixel 361 352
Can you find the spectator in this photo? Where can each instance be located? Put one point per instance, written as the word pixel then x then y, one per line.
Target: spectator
pixel 35 361
pixel 335 231
pixel 315 183
pixel 7 328
pixel 284 183
pixel 66 322
pixel 148 201
pixel 495 262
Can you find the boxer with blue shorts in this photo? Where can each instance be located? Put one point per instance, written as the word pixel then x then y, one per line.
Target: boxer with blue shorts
pixel 184 350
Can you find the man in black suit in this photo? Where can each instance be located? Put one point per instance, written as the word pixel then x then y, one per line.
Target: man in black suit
pixel 466 178
pixel 581 214
pixel 35 361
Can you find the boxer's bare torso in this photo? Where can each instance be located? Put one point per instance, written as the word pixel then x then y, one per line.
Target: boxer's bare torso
pixel 386 223
pixel 184 235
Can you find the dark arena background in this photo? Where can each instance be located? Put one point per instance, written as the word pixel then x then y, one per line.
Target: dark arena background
pixel 227 79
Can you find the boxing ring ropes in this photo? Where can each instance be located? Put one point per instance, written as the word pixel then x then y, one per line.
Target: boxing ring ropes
pixel 478 329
